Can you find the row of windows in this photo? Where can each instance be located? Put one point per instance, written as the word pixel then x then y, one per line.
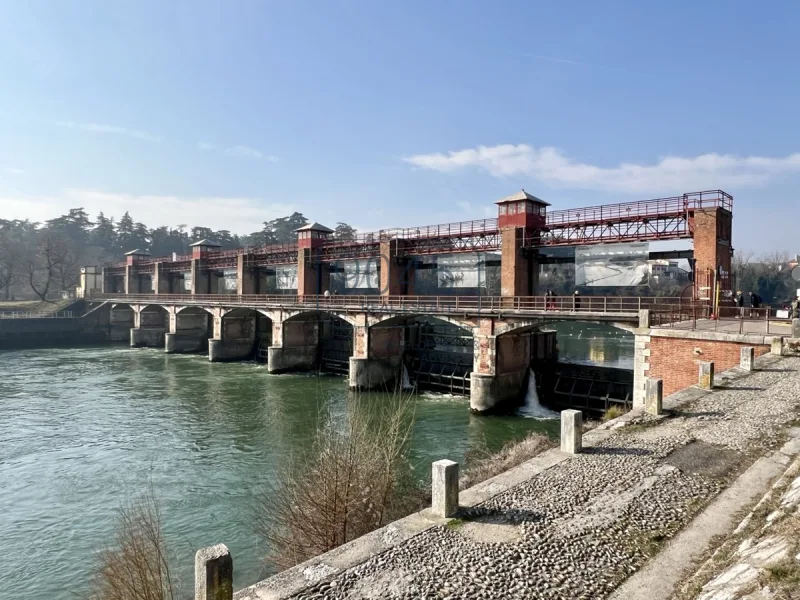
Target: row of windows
pixel 312 235
pixel 518 208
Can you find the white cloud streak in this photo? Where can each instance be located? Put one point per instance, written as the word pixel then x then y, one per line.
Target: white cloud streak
pixel 112 130
pixel 550 165
pixel 238 214
pixel 13 171
pixel 248 152
pixel 206 146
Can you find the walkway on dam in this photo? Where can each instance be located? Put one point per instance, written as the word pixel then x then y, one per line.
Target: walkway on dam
pixel 563 526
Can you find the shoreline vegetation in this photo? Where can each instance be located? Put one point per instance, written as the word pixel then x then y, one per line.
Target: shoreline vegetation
pixel 355 477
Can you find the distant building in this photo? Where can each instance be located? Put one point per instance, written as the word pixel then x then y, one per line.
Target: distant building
pixel 667 269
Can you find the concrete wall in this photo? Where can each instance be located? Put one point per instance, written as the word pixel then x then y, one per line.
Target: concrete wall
pixel 299 334
pixel 491 392
pixel 297 358
pixel 375 373
pixel 386 342
pixel 513 353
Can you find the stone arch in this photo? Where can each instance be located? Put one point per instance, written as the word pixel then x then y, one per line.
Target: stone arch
pixel 193 309
pixel 314 314
pixel 388 320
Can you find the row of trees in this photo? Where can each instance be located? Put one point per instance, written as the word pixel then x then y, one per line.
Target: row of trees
pixel 41 258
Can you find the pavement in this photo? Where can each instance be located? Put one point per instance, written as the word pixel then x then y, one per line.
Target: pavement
pixel 578 526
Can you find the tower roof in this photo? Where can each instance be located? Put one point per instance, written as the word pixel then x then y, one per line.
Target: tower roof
pixel 207 243
pixel 137 252
pixel 314 227
pixel 522 195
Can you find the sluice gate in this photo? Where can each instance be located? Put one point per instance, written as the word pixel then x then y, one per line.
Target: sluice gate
pixel 592 389
pixel 441 357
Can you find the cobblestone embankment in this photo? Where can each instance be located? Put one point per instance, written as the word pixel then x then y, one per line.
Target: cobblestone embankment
pixel 584 524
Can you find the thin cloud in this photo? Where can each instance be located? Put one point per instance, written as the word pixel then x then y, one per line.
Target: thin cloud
pixel 13 171
pixel 550 165
pixel 206 146
pixel 240 215
pixel 112 130
pixel 252 153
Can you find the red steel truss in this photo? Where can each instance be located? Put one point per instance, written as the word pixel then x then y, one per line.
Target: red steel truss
pixel 645 220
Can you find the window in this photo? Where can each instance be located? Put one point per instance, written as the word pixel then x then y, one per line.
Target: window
pixel 529 207
pixel 502 209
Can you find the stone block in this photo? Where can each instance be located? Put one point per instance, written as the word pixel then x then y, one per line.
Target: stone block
pixel 776 346
pixel 706 375
pixel 653 396
pixel 747 356
pixel 213 573
pixel 796 328
pixel 444 488
pixel 644 318
pixel 571 431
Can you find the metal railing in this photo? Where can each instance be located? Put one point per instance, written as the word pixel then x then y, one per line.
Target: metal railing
pixel 64 314
pixel 727 319
pixel 659 207
pixel 625 212
pixel 439 304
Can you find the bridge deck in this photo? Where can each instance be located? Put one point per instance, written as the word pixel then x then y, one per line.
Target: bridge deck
pixel 615 308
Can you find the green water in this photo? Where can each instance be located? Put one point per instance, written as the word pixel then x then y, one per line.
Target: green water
pixel 84 430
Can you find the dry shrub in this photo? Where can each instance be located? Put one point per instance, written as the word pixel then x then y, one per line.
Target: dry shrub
pixel 486 465
pixel 613 411
pixel 137 568
pixel 355 479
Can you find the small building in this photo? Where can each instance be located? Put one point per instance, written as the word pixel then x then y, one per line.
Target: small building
pixel 134 256
pixel 313 235
pixel 522 210
pixel 91 282
pixel 203 248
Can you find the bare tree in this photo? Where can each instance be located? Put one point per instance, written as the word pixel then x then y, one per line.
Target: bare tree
pixel 353 481
pixel 137 567
pixel 10 264
pixel 43 264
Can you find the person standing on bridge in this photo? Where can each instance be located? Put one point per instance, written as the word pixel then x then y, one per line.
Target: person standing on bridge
pixel 576 301
pixel 738 301
pixel 755 304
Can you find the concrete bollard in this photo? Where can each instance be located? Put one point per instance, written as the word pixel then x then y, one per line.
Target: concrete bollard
pixel 571 431
pixel 776 346
pixel 653 396
pixel 706 378
pixel 444 488
pixel 747 356
pixel 796 328
pixel 213 573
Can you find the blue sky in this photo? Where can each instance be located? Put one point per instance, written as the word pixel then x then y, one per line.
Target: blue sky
pixel 380 114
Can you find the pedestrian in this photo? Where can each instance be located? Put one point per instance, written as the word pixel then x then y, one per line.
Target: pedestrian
pixel 548 299
pixel 738 301
pixel 755 304
pixel 576 301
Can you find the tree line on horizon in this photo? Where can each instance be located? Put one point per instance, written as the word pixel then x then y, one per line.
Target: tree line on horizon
pixel 40 259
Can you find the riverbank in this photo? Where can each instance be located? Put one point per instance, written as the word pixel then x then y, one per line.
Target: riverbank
pixel 88 428
pixel 563 526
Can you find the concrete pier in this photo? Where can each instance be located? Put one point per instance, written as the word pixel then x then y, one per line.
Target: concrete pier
pixel 571 431
pixel 213 573
pixel 444 488
pixel 653 396
pixel 706 375
pixel 747 356
pixel 149 337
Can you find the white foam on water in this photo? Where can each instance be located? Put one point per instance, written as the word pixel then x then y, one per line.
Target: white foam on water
pixel 405 381
pixel 532 408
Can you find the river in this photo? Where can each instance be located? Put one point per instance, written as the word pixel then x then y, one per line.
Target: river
pixel 86 429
